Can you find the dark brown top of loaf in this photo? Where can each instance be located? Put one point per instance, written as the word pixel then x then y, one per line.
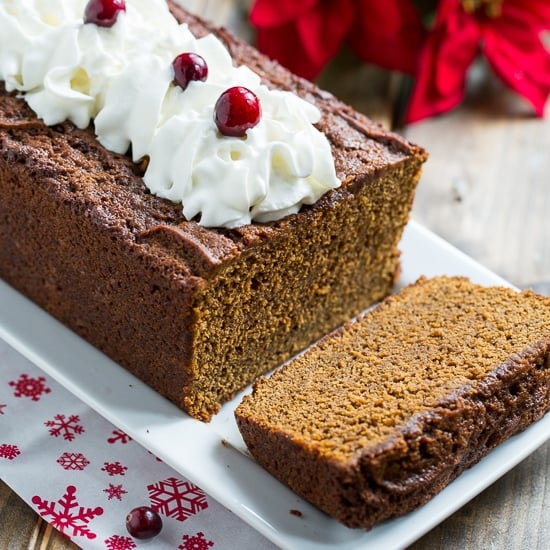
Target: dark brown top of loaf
pixel 111 191
pixel 413 353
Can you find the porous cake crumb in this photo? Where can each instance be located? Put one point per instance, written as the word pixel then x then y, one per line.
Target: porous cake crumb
pixel 382 414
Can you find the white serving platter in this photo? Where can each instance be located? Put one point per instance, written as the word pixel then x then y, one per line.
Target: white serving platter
pixel 213 455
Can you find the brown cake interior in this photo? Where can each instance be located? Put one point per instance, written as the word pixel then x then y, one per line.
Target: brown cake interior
pixel 198 313
pixel 381 415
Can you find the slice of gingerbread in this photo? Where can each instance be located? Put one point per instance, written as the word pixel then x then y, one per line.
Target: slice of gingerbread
pixel 382 414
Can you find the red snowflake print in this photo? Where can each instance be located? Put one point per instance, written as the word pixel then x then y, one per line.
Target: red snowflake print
pixel 30 387
pixel 9 451
pixel 67 427
pixel 176 498
pixel 114 468
pixel 2 407
pixel 67 515
pixel 115 491
pixel 119 542
pixel 196 542
pixel 119 436
pixel 73 461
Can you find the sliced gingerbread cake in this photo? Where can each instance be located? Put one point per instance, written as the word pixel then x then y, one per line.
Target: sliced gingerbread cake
pixel 381 415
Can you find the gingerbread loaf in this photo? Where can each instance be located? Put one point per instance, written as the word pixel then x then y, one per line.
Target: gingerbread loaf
pixel 198 312
pixel 380 416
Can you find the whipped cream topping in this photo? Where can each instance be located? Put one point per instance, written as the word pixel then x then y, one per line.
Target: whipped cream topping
pixel 122 79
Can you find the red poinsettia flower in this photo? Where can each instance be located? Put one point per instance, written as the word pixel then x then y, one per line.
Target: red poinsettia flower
pixel 506 32
pixel 304 35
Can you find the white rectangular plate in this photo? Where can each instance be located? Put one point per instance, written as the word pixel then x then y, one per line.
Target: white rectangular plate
pixel 224 470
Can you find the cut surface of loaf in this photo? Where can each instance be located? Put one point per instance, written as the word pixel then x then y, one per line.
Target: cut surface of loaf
pixel 198 313
pixel 382 414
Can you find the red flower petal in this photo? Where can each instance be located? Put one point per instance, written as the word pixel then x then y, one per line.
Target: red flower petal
pixel 267 13
pixel 270 43
pixel 448 52
pixel 513 47
pixel 308 42
pixel 388 34
pixel 538 9
pixel 526 71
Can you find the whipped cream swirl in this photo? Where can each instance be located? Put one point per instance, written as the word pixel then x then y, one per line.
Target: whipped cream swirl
pixel 122 79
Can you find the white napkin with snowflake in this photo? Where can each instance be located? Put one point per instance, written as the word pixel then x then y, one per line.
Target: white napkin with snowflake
pixel 83 475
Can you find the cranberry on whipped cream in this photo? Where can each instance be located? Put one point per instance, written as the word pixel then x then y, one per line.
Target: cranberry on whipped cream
pixel 103 12
pixel 189 66
pixel 121 77
pixel 236 111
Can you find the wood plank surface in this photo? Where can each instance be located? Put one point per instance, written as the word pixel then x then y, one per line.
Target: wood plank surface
pixel 485 189
pixel 486 186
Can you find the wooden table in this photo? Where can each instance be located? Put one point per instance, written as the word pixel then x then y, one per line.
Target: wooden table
pixel 486 189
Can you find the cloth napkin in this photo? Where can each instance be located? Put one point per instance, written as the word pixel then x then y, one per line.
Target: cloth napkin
pixel 83 475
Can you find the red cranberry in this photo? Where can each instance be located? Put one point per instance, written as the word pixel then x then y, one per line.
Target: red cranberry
pixel 236 111
pixel 103 12
pixel 189 66
pixel 143 523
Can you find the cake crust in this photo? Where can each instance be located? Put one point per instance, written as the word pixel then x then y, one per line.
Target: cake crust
pixel 377 444
pixel 197 313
